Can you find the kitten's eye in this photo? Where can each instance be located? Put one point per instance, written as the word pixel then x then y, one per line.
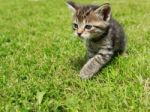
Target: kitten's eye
pixel 88 27
pixel 75 25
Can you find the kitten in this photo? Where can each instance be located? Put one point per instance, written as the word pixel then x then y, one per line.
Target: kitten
pixel 103 35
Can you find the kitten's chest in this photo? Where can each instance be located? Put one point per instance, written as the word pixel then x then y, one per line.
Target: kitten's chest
pixel 96 46
pixel 93 47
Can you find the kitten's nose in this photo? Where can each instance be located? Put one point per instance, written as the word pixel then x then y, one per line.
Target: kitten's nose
pixel 79 34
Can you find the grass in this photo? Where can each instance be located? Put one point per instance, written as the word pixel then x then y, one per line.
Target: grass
pixel 40 60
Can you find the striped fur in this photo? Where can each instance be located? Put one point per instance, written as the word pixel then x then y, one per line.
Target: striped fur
pixel 104 36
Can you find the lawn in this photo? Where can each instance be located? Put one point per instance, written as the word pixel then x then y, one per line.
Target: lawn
pixel 40 60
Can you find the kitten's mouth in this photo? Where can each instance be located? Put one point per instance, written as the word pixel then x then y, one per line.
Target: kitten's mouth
pixel 83 37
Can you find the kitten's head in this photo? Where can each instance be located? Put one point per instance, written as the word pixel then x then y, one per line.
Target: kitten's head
pixel 90 21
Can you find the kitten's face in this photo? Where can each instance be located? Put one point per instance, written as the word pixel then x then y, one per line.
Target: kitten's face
pixel 88 26
pixel 89 21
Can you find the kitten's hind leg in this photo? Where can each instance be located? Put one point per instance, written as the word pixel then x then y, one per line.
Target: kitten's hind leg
pixel 124 54
pixel 123 48
pixel 95 64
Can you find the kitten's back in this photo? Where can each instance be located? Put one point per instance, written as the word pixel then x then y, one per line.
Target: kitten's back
pixel 118 36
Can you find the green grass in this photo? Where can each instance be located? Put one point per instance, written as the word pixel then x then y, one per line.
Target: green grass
pixel 40 60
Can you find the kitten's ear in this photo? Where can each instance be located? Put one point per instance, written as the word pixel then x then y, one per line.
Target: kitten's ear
pixel 72 6
pixel 104 11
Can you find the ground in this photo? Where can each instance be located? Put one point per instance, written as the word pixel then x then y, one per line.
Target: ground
pixel 40 60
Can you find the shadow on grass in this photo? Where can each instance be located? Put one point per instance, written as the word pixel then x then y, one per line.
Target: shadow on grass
pixel 77 63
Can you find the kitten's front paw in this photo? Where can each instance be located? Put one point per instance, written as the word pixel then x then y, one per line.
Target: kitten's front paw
pixel 85 74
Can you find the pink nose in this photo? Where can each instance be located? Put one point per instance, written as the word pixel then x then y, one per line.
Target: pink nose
pixel 80 31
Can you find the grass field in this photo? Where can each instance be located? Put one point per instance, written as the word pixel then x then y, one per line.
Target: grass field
pixel 40 60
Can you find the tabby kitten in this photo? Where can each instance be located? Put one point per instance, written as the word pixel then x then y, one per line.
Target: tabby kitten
pixel 103 35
